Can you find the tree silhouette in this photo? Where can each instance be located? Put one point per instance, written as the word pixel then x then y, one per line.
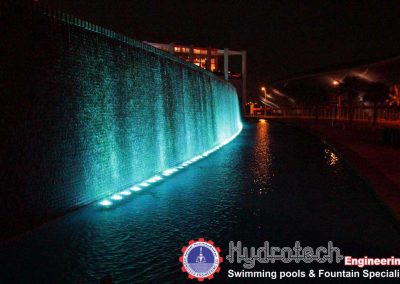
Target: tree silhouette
pixel 394 96
pixel 376 93
pixel 349 88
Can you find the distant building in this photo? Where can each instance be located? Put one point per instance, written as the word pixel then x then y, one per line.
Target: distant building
pixel 207 58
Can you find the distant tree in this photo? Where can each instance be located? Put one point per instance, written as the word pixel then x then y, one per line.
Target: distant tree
pixel 314 96
pixel 394 96
pixel 376 93
pixel 349 88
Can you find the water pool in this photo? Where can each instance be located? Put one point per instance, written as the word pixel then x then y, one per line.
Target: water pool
pixel 273 182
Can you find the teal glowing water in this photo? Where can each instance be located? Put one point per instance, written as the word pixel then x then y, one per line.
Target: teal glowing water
pixel 156 120
pixel 271 183
pixel 138 187
pixel 90 114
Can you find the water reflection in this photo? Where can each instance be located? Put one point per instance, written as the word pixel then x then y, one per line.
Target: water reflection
pixel 331 157
pixel 218 198
pixel 261 168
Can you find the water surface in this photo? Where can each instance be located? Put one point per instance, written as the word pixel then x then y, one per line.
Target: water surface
pixel 273 182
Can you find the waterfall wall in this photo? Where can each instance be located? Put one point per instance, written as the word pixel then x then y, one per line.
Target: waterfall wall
pixel 87 112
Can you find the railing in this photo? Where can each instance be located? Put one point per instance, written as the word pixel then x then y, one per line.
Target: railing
pixel 384 114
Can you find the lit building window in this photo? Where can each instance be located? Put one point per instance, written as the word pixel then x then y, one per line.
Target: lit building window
pixel 213 66
pixel 203 61
pixel 199 56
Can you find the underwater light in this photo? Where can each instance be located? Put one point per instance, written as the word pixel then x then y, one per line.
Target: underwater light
pixel 195 159
pixel 116 197
pixel 136 188
pixel 105 203
pixel 154 179
pixel 168 172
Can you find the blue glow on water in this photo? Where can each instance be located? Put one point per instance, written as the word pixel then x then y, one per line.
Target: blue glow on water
pixel 112 113
pixel 170 171
pixel 116 197
pixel 127 139
pixel 154 179
pixel 135 188
pixel 265 190
pixel 106 203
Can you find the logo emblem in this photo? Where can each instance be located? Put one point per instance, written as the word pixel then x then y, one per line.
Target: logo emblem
pixel 200 259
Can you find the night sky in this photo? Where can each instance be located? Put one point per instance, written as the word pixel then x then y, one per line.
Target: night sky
pixel 282 37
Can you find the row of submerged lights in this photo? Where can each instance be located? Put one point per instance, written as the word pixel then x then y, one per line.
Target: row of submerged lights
pixel 112 200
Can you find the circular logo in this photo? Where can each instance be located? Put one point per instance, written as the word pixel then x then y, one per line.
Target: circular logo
pixel 200 259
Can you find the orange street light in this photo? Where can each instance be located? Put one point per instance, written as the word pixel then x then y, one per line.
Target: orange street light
pixel 265 95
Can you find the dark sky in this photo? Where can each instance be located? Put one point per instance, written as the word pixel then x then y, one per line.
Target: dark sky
pixel 281 37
